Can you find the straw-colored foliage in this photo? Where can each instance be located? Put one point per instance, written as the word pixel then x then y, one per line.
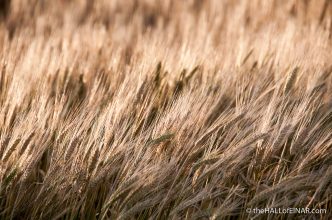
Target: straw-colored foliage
pixel 160 109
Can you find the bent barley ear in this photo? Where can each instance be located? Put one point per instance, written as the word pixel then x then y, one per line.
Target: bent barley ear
pixel 191 74
pixel 10 177
pixel 161 139
pixel 11 149
pixel 290 80
pixel 157 73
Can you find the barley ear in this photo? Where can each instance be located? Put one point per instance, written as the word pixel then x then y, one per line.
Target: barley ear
pixel 290 80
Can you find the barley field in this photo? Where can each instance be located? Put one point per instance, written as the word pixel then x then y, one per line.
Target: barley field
pixel 160 109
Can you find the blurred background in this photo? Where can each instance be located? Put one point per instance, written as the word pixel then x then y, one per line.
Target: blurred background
pixel 43 15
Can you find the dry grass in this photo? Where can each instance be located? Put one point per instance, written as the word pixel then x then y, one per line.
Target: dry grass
pixel 164 109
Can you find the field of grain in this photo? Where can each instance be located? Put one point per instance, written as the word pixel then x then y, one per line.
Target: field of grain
pixel 160 109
